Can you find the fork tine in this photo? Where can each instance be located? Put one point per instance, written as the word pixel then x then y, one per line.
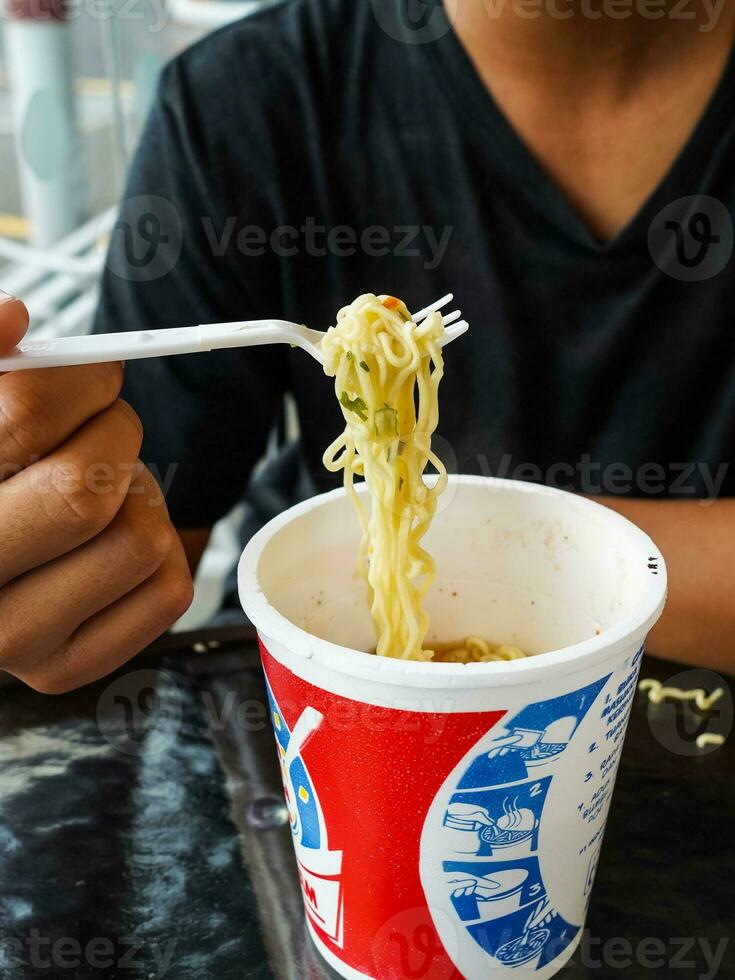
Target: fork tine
pixel 456 330
pixel 422 314
pixel 451 317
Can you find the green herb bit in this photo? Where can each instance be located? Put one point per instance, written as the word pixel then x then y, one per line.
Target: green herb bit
pixel 356 405
pixel 386 422
pixel 364 365
pixel 349 355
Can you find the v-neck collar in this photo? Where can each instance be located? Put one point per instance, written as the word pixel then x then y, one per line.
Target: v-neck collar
pixel 474 100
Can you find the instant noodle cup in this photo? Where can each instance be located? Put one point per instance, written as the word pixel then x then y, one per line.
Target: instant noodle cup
pixel 447 818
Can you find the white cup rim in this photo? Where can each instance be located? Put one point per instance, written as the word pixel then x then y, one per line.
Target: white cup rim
pixel 274 626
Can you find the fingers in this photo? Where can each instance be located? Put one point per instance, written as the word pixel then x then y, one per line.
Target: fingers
pixel 40 410
pixel 72 495
pixel 13 322
pixel 40 610
pixel 114 636
pixel 100 604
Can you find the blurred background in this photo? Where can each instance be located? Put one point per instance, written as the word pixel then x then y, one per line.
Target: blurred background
pixel 76 81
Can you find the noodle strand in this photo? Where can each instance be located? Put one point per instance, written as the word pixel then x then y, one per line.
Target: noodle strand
pixel 387 371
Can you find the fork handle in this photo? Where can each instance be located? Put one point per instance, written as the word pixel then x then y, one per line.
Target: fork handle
pixel 131 345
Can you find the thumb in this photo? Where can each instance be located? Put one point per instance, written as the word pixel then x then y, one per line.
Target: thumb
pixel 13 322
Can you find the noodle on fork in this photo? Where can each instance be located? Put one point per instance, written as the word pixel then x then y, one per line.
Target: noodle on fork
pixel 387 371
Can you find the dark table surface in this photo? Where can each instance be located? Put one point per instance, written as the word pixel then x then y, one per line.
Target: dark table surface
pixel 142 832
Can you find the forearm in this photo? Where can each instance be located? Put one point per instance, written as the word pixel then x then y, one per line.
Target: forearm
pixel 697 541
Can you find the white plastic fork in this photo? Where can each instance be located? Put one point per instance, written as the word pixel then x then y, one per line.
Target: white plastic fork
pixel 131 345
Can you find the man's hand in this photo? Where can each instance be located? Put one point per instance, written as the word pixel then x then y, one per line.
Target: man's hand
pixel 91 569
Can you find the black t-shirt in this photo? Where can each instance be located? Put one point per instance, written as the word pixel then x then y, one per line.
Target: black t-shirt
pixel 324 148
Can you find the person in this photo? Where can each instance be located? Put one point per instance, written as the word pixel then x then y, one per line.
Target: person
pixel 568 175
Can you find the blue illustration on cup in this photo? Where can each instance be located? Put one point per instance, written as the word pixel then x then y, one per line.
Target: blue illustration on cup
pixel 497 822
pixel 491 831
pixel 534 738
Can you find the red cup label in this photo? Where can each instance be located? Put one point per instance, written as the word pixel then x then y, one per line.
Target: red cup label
pixel 420 835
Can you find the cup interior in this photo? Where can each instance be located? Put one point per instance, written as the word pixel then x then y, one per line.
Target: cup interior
pixel 516 563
